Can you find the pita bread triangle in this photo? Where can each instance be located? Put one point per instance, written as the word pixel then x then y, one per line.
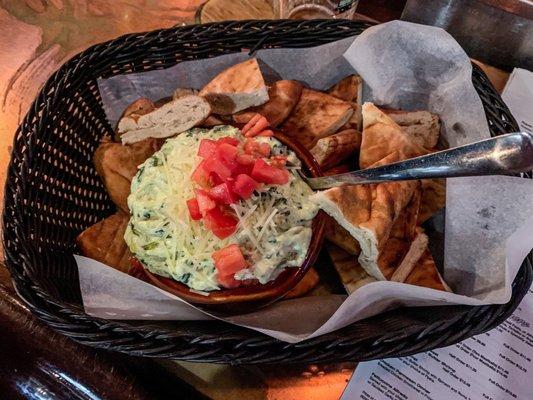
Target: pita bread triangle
pixel 369 212
pixel 236 88
pixel 382 137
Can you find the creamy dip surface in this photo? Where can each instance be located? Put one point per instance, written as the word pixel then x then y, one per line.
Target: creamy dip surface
pixel 274 229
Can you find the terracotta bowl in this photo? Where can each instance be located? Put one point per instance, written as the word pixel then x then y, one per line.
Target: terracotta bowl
pixel 249 297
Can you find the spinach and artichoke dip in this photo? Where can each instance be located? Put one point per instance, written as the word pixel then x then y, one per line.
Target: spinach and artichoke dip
pixel 274 224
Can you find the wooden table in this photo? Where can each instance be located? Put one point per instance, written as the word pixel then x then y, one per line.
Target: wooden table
pixel 38 36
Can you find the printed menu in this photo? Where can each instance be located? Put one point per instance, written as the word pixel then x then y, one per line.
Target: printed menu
pixel 496 365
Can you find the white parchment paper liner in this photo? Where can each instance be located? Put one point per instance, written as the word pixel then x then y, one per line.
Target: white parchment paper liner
pixel 404 65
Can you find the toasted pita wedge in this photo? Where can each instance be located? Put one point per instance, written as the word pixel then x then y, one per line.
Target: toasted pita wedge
pixel 339 236
pixel 382 136
pixel 239 87
pixel 350 89
pixel 433 198
pixel 117 164
pixel 172 118
pixel 104 242
pixel 182 92
pixel 426 274
pixel 308 282
pixel 347 89
pixel 368 213
pixel 422 126
pixel 315 116
pixel 283 96
pixel 352 275
pixel 332 150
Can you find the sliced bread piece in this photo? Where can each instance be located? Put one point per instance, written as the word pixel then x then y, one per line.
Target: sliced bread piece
pixel 332 150
pixel 236 88
pixel 170 119
pixel 315 116
pixel 283 96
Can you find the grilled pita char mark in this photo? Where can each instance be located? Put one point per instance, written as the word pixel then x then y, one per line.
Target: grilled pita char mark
pixel 283 97
pixel 340 237
pixel 117 165
pixel 316 115
pixel 382 136
pixel 236 88
pixel 332 150
pixel 308 283
pixel 350 89
pixel 171 118
pixel 422 126
pixel 104 242
pixel 352 275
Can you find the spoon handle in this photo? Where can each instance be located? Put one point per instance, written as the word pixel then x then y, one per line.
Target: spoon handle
pixel 501 155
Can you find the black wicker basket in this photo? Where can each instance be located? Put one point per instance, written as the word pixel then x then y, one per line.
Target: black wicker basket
pixel 53 193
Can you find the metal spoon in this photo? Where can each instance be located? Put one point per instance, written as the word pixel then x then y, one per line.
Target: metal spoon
pixel 502 155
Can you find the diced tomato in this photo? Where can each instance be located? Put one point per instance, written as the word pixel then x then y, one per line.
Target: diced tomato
pixel 228 140
pixel 251 123
pixel 229 260
pixel 214 165
pixel 201 174
pixel 278 161
pixel 223 193
pixel 244 186
pixel 205 203
pixel 214 179
pixel 194 209
pixel 227 154
pixel 266 132
pixel 228 282
pixel 207 148
pixel 258 127
pixel 245 159
pixel 265 173
pixel 256 149
pixel 264 149
pixel 221 223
